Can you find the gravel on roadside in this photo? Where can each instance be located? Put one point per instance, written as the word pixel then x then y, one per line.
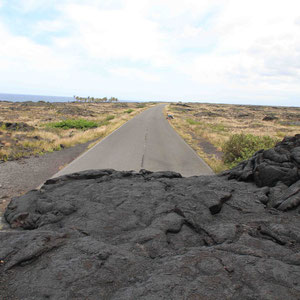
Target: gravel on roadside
pixel 20 176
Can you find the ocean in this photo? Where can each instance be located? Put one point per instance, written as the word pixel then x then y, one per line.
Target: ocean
pixel 34 98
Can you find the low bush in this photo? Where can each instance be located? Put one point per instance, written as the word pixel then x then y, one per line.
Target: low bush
pixel 109 117
pixel 71 123
pixel 242 146
pixel 218 127
pixel 3 155
pixel 140 105
pixel 192 122
pixel 103 123
pixel 129 111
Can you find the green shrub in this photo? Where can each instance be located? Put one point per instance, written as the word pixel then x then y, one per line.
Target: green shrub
pixel 71 123
pixel 109 117
pixel 104 123
pixel 218 127
pixel 192 122
pixel 140 105
pixel 129 111
pixel 3 156
pixel 242 146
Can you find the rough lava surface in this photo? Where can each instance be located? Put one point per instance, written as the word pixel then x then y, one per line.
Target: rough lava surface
pixel 103 234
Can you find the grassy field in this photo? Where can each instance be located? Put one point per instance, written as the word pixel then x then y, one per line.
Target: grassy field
pixel 214 129
pixel 34 128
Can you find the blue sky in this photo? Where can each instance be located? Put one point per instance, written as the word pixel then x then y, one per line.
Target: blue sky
pixel 221 51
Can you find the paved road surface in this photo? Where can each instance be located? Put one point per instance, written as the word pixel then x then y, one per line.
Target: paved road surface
pixel 145 142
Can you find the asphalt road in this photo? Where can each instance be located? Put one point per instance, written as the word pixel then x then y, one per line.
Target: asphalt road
pixel 145 142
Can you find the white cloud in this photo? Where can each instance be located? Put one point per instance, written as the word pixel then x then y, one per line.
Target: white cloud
pixel 191 32
pixel 135 74
pixel 26 6
pixel 258 47
pixel 27 67
pixel 191 9
pixel 114 34
pixel 49 26
pixel 21 51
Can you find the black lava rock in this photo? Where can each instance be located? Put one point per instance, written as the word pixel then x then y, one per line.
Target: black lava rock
pixel 270 118
pixel 17 126
pixel 103 234
pixel 268 167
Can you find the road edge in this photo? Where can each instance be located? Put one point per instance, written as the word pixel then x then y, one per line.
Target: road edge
pixel 85 152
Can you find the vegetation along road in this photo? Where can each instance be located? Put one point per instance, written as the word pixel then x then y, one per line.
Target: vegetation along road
pixel 145 142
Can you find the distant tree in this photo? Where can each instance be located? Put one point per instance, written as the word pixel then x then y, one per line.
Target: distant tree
pixel 95 100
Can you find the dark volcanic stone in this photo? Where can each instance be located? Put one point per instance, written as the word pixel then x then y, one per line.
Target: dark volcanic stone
pixel 244 115
pixel 270 118
pixel 105 234
pixel 73 110
pixel 17 126
pixel 268 167
pixel 182 104
pixel 207 114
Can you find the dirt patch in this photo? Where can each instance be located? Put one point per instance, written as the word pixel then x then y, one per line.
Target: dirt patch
pixel 207 147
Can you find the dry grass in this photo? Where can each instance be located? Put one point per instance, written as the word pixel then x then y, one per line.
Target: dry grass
pixel 18 143
pixel 215 123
